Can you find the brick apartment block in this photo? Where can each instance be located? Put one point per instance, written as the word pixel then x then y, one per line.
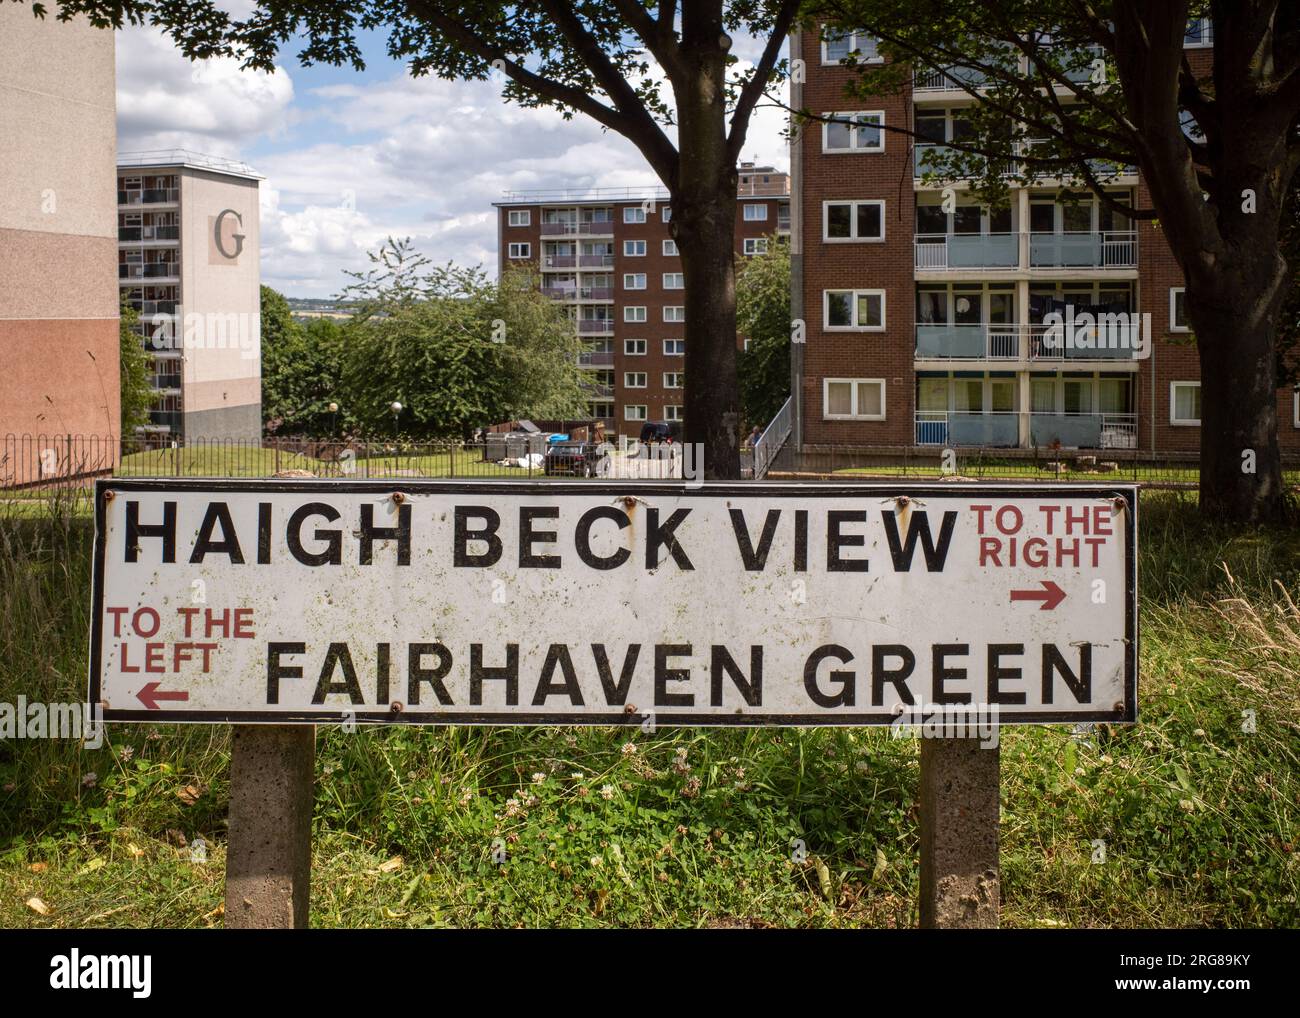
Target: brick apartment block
pixel 923 329
pixel 608 257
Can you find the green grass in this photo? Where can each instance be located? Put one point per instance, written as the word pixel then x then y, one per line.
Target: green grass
pixel 693 827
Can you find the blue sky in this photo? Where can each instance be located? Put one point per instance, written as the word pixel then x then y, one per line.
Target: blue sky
pixel 350 158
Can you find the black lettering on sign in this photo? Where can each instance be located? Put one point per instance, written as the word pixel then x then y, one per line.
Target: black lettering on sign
pixel 583 538
pixel 382 665
pixel 616 692
pixel 998 672
pixel 1079 684
pixel 918 526
pixel 665 675
pixel 836 540
pixel 662 534
pixel 400 533
pixel 136 530
pixel 275 671
pixel 557 655
pixel 338 657
pixel 333 553
pixel 845 680
pixel 754 561
pixel 722 664
pixel 942 674
pixel 416 672
pixel 218 514
pixel 801 540
pixel 896 677
pixel 507 673
pixel 263 533
pixel 528 536
pixel 462 556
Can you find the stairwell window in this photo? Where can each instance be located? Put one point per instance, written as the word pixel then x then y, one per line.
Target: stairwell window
pixel 634 214
pixel 854 132
pixel 755 245
pixel 634 379
pixel 634 313
pixel 520 250
pixel 755 212
pixel 853 221
pixel 839 45
pixel 634 412
pixel 1185 404
pixel 860 399
pixel 520 217
pixel 854 310
pixel 1177 309
pixel 674 281
pixel 674 313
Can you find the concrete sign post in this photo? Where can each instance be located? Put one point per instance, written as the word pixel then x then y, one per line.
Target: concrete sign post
pixel 943 609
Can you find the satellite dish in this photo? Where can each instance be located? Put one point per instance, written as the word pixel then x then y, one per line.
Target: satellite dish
pixel 963 304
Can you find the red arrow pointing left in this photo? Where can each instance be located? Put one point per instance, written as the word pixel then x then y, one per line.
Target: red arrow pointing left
pixel 151 694
pixel 1051 595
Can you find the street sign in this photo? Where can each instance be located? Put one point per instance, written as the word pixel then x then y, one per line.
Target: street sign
pixel 480 602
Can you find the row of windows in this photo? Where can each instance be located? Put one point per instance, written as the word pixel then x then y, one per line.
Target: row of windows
pixel 637 281
pixel 637 248
pixel 863 399
pixel 640 412
pixel 752 212
pixel 672 313
pixel 638 379
pixel 638 347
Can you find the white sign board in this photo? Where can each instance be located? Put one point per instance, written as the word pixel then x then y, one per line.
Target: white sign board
pixel 478 602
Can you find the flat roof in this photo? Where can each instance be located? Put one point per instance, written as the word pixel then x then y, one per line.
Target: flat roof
pixel 175 158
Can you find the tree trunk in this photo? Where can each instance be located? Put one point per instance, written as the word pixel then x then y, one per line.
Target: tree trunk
pixel 1235 316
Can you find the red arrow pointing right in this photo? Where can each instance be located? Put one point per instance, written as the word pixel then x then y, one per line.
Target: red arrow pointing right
pixel 1051 595
pixel 150 694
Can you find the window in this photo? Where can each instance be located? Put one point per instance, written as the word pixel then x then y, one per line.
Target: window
pixel 1177 309
pixel 634 347
pixel 520 250
pixel 855 309
pixel 674 313
pixel 634 314
pixel 634 412
pixel 855 220
pixel 520 217
pixel 755 212
pixel 634 214
pixel 674 348
pixel 755 245
pixel 673 412
pixel 1199 34
pixel 670 248
pixel 667 213
pixel 854 398
pixel 633 280
pixel 602 409
pixel 634 379
pixel 837 45
pixel 634 248
pixel 1185 403
pixel 674 379
pixel 674 281
pixel 854 132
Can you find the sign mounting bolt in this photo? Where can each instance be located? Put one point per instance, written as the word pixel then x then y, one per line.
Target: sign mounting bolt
pixel 398 497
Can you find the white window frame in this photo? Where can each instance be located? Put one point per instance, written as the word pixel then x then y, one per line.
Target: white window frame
pixel 751 246
pixel 1295 409
pixel 854 148
pixel 673 412
pixel 629 380
pixel 632 212
pixel 852 415
pixel 629 348
pixel 679 317
pixel 666 213
pixel 519 249
pixel 675 275
pixel 670 248
pixel 674 353
pixel 826 312
pixel 680 377
pixel 853 45
pixel 519 217
pixel 1206 40
pixel 629 314
pixel 637 280
pixel 630 414
pixel 1174 291
pixel 630 249
pixel 1173 404
pixel 826 221
pixel 759 208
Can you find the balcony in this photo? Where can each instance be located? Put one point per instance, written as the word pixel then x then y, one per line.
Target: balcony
pixel 153 270
pixel 148 233
pixel 1111 250
pixel 595 293
pixel 939 251
pixel 149 196
pixel 1024 342
pixel 559 261
pixel 948 79
pixel 1112 342
pixel 1001 430
pixel 595 326
pixel 968 342
pixel 560 292
pixel 596 359
pixel 922 150
pixel 596 261
pixel 593 229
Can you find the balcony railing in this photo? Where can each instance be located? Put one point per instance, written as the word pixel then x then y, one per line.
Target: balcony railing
pixel 921 150
pixel 143 233
pixel 561 292
pixel 1110 250
pixel 1014 342
pixel 968 342
pixel 559 261
pixel 948 79
pixel 596 358
pixel 1002 429
pixel 596 261
pixel 149 196
pixel 602 228
pixel 1117 341
pixel 154 270
pixel 967 251
pixel 595 293
pixel 595 326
